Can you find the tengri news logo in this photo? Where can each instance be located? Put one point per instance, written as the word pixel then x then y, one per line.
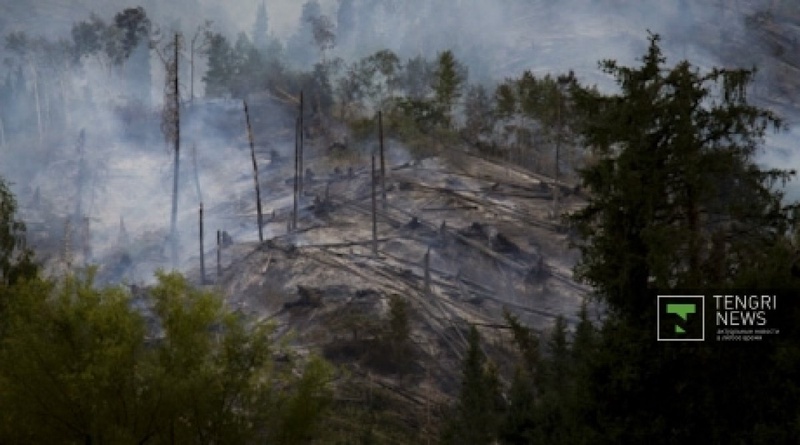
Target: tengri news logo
pixel 681 318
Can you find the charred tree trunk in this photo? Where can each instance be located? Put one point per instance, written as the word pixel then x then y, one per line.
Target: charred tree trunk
pixel 374 212
pixel 219 255
pixel 557 188
pixel 255 173
pixel 383 163
pixel 81 175
pixel 296 168
pixel 196 174
pixel 66 252
pixel 427 266
pixel 202 252
pixel 2 134
pixel 177 141
pixel 300 169
pixel 86 244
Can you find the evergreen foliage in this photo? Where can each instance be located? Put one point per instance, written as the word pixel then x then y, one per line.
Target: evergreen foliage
pixel 16 260
pixel 537 117
pixel 676 202
pixel 88 36
pixel 220 64
pixel 701 214
pixel 479 115
pixel 131 28
pixel 449 79
pixel 398 335
pixel 477 413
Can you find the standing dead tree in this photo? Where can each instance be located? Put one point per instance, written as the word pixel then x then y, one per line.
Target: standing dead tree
pixel 383 163
pixel 2 134
pixel 196 174
pixel 427 267
pixel 81 175
pixel 171 127
pixel 202 252
pixel 219 256
pixel 374 211
pixel 296 172
pixel 255 172
pixel 300 168
pixel 563 81
pixel 86 240
pixel 66 246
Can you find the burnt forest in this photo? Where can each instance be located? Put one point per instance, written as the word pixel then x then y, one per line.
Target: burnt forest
pixel 399 222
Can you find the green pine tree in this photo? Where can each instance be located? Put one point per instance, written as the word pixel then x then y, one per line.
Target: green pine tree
pixel 449 79
pixel 220 65
pixel 674 179
pixel 477 414
pixel 677 201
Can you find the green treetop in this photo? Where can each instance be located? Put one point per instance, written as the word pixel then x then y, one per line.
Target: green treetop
pixel 676 197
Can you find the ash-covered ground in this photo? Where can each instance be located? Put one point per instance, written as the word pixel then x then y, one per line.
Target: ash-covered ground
pixel 461 239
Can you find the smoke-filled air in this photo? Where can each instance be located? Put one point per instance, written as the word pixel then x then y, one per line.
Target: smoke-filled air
pixel 89 148
pixel 443 219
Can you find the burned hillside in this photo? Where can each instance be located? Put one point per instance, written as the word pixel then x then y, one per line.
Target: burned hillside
pixel 326 233
pixel 458 238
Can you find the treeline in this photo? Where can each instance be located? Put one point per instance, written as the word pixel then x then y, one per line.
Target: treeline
pixel 426 100
pixel 51 87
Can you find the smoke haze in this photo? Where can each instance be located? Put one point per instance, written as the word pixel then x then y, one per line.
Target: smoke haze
pixel 123 171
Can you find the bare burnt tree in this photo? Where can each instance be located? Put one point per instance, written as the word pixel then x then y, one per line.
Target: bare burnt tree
pixel 563 81
pixel 171 127
pixel 255 172
pixel 219 255
pixel 80 179
pixel 2 134
pixel 202 252
pixel 196 173
pixel 296 173
pixel 383 163
pixel 374 211
pixel 300 130
pixel 427 267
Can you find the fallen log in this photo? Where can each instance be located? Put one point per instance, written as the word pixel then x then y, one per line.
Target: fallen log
pixel 347 243
pixel 437 209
